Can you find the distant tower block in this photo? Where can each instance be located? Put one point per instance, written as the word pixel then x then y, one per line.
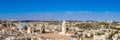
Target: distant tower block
pixel 64 27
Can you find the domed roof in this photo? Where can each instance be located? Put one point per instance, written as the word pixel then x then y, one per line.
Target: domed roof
pixel 22 26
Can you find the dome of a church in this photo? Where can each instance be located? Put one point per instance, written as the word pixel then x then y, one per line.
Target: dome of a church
pixel 22 26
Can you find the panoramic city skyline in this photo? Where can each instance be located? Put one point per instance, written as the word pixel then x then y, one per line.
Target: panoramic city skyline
pixel 60 9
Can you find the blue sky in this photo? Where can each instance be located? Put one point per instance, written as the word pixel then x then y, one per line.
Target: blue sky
pixel 60 9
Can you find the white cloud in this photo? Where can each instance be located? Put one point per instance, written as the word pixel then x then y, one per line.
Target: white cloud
pixel 77 12
pixel 47 14
pixel 85 12
pixel 107 12
pixel 69 12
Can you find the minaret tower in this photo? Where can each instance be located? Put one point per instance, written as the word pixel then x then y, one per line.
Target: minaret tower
pixel 64 27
